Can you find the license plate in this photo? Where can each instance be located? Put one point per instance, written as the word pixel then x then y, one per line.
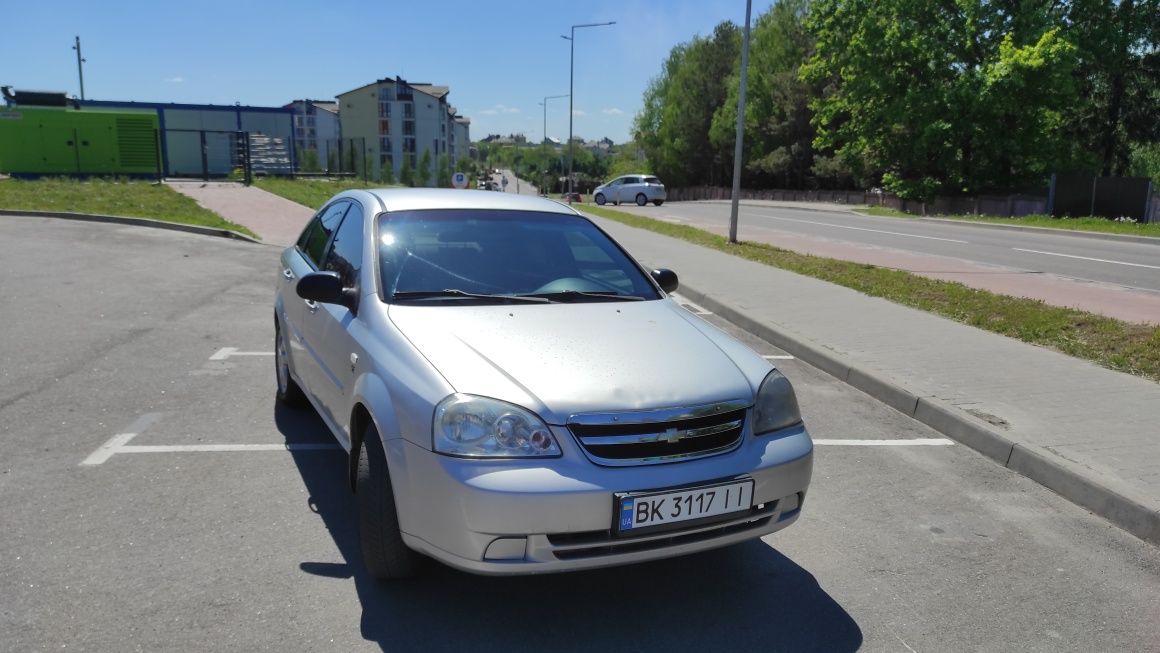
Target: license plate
pixel 654 509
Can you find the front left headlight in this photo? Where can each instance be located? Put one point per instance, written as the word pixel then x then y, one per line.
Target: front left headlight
pixel 776 406
pixel 480 427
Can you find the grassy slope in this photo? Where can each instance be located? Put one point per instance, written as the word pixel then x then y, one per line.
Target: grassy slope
pixel 135 199
pixel 311 192
pixel 1119 345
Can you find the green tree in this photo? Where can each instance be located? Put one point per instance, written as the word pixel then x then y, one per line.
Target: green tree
pixel 956 97
pixel 424 170
pixel 778 131
pixel 407 171
pixel 388 173
pixel 443 172
pixel 1118 77
pixel 674 124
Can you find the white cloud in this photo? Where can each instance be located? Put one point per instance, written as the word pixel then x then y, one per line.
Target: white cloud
pixel 578 112
pixel 174 80
pixel 611 112
pixel 499 108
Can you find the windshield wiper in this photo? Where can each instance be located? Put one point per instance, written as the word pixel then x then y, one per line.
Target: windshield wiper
pixel 455 293
pixel 573 295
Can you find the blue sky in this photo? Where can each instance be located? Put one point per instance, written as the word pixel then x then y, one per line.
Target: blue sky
pixel 499 58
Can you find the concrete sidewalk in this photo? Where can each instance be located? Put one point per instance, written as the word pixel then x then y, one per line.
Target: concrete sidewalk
pixel 276 220
pixel 1090 434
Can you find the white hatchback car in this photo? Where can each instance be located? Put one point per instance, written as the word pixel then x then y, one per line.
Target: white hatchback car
pixel 517 395
pixel 641 189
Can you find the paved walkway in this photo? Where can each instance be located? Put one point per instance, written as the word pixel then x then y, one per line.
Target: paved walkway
pixel 275 219
pixel 1089 433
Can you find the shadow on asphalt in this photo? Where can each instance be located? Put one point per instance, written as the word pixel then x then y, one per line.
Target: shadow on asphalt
pixel 744 597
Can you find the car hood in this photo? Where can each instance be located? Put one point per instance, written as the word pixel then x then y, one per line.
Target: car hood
pixel 563 359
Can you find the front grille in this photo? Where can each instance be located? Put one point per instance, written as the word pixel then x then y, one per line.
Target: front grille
pixel 651 437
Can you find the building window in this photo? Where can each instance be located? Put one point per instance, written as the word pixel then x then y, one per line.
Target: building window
pixel 386 144
pixel 408 127
pixel 409 110
pixel 387 92
pixel 385 127
pixel 384 109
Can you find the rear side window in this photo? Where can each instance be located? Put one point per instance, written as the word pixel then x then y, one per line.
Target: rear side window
pixel 317 234
pixel 345 254
pixel 651 180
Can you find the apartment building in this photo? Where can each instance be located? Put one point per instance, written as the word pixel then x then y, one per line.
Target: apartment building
pixel 316 134
pixel 393 119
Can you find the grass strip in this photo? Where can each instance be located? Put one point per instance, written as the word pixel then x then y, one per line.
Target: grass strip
pixel 311 192
pixel 120 197
pixel 1101 225
pixel 1115 344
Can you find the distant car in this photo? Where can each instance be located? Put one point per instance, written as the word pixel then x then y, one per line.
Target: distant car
pixel 517 395
pixel 575 197
pixel 641 189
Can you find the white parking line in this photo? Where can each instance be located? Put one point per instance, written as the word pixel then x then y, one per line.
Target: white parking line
pixel 218 448
pixel 226 352
pixel 915 442
pixel 879 231
pixel 118 441
pixel 778 357
pixel 1088 258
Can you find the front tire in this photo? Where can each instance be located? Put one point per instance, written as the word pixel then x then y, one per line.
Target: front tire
pixel 289 393
pixel 599 199
pixel 641 200
pixel 384 554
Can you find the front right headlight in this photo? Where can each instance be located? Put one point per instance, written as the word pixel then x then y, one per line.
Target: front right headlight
pixel 776 406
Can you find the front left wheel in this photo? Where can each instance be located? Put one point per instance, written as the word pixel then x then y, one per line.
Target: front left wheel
pixel 289 392
pixel 384 554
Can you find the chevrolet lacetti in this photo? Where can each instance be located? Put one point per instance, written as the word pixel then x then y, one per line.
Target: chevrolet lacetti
pixel 518 395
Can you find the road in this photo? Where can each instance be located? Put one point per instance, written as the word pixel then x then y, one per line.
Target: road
pixel 219 521
pixel 1120 278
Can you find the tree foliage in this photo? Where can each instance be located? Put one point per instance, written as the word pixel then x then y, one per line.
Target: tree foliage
pixel 923 97
pixel 423 172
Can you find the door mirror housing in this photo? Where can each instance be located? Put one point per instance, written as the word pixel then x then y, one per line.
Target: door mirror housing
pixel 666 279
pixel 326 287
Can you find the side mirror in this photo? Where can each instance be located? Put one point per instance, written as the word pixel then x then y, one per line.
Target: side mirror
pixel 666 279
pixel 326 287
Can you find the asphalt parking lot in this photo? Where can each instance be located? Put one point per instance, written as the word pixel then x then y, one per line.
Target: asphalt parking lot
pixel 154 498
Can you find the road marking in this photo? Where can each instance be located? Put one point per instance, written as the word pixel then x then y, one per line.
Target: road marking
pixel 916 442
pixel 879 231
pixel 778 357
pixel 118 441
pixel 220 448
pixel 1088 258
pixel 226 352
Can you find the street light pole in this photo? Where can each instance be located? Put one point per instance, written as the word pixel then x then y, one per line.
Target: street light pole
pixel 80 69
pixel 571 92
pixel 740 127
pixel 545 105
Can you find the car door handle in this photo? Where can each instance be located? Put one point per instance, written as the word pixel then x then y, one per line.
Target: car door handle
pixel 312 305
pixel 288 273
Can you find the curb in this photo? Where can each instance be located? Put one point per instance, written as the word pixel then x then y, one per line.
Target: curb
pixel 844 208
pixel 1098 235
pixel 139 222
pixel 1129 513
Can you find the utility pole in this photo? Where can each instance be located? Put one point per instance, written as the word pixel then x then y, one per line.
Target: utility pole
pixel 740 127
pixel 80 68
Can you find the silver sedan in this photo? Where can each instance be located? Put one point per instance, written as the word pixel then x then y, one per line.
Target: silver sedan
pixel 641 189
pixel 518 395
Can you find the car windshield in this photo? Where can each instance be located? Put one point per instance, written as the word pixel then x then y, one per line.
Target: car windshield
pixel 456 256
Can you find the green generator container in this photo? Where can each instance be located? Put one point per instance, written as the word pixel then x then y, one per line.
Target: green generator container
pixel 68 141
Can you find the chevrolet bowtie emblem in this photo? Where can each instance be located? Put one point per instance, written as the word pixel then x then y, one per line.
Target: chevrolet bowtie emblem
pixel 672 436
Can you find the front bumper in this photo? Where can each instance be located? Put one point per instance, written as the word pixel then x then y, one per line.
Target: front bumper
pixel 539 516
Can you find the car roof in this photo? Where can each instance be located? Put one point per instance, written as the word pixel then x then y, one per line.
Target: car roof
pixel 417 199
